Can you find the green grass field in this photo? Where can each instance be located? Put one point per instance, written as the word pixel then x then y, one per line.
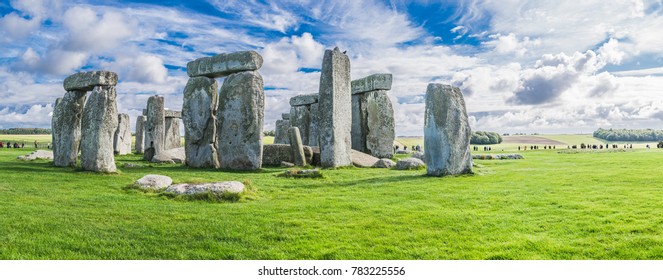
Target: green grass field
pixel 551 205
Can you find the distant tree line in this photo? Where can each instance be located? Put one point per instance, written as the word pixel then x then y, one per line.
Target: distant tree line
pixel 629 134
pixel 25 131
pixel 269 133
pixel 485 138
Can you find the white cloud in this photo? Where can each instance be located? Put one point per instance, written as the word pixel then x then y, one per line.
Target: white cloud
pixel 89 32
pixel 142 68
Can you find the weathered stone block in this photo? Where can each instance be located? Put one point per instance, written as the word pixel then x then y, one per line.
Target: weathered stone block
pixel 281 132
pixel 66 130
pixel 172 114
pixel 140 135
pixel 199 117
pixel 304 99
pixel 274 154
pixel 446 132
pixel 86 81
pixel 313 125
pixel 240 118
pixel 335 112
pixel 224 64
pixel 173 138
pixel 300 118
pixel 155 127
pixel 285 116
pixel 98 128
pixel 379 123
pixel 371 83
pixel 122 137
pixel 296 147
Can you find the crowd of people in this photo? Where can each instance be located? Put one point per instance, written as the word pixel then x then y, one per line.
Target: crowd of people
pixel 414 148
pixel 16 145
pixel 9 145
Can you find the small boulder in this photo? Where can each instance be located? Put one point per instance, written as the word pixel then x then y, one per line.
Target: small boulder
pixel 287 164
pixel 384 163
pixel 402 152
pixel 155 182
pixel 360 159
pixel 409 163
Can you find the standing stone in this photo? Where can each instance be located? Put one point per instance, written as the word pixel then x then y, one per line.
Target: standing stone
pixel 281 132
pixel 173 139
pixel 67 117
pixel 378 123
pixel 98 128
pixel 155 127
pixel 122 138
pixel 313 125
pixel 358 128
pixel 240 120
pixel 297 147
pixel 199 117
pixel 55 123
pixel 446 132
pixel 300 118
pixel 140 134
pixel 335 112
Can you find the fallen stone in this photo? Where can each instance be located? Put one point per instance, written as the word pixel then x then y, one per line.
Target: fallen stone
pixel 274 154
pixel 240 119
pixel 155 182
pixel 446 132
pixel 176 155
pixel 122 137
pixel 199 117
pixel 309 173
pixel 499 156
pixel 234 187
pixel 66 128
pixel 335 112
pixel 287 164
pixel 38 154
pixel 360 159
pixel 97 130
pixel 224 64
pixel 130 165
pixel 371 83
pixel 304 99
pixel 384 163
pixel 409 163
pixel 402 152
pixel 86 81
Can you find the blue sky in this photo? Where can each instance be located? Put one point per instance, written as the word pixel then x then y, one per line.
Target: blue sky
pixel 523 66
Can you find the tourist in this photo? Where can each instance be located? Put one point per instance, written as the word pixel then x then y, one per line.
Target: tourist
pixel 22 145
pixel 36 144
pixel 1 145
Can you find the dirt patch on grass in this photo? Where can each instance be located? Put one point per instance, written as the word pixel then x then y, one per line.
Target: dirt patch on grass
pixel 529 140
